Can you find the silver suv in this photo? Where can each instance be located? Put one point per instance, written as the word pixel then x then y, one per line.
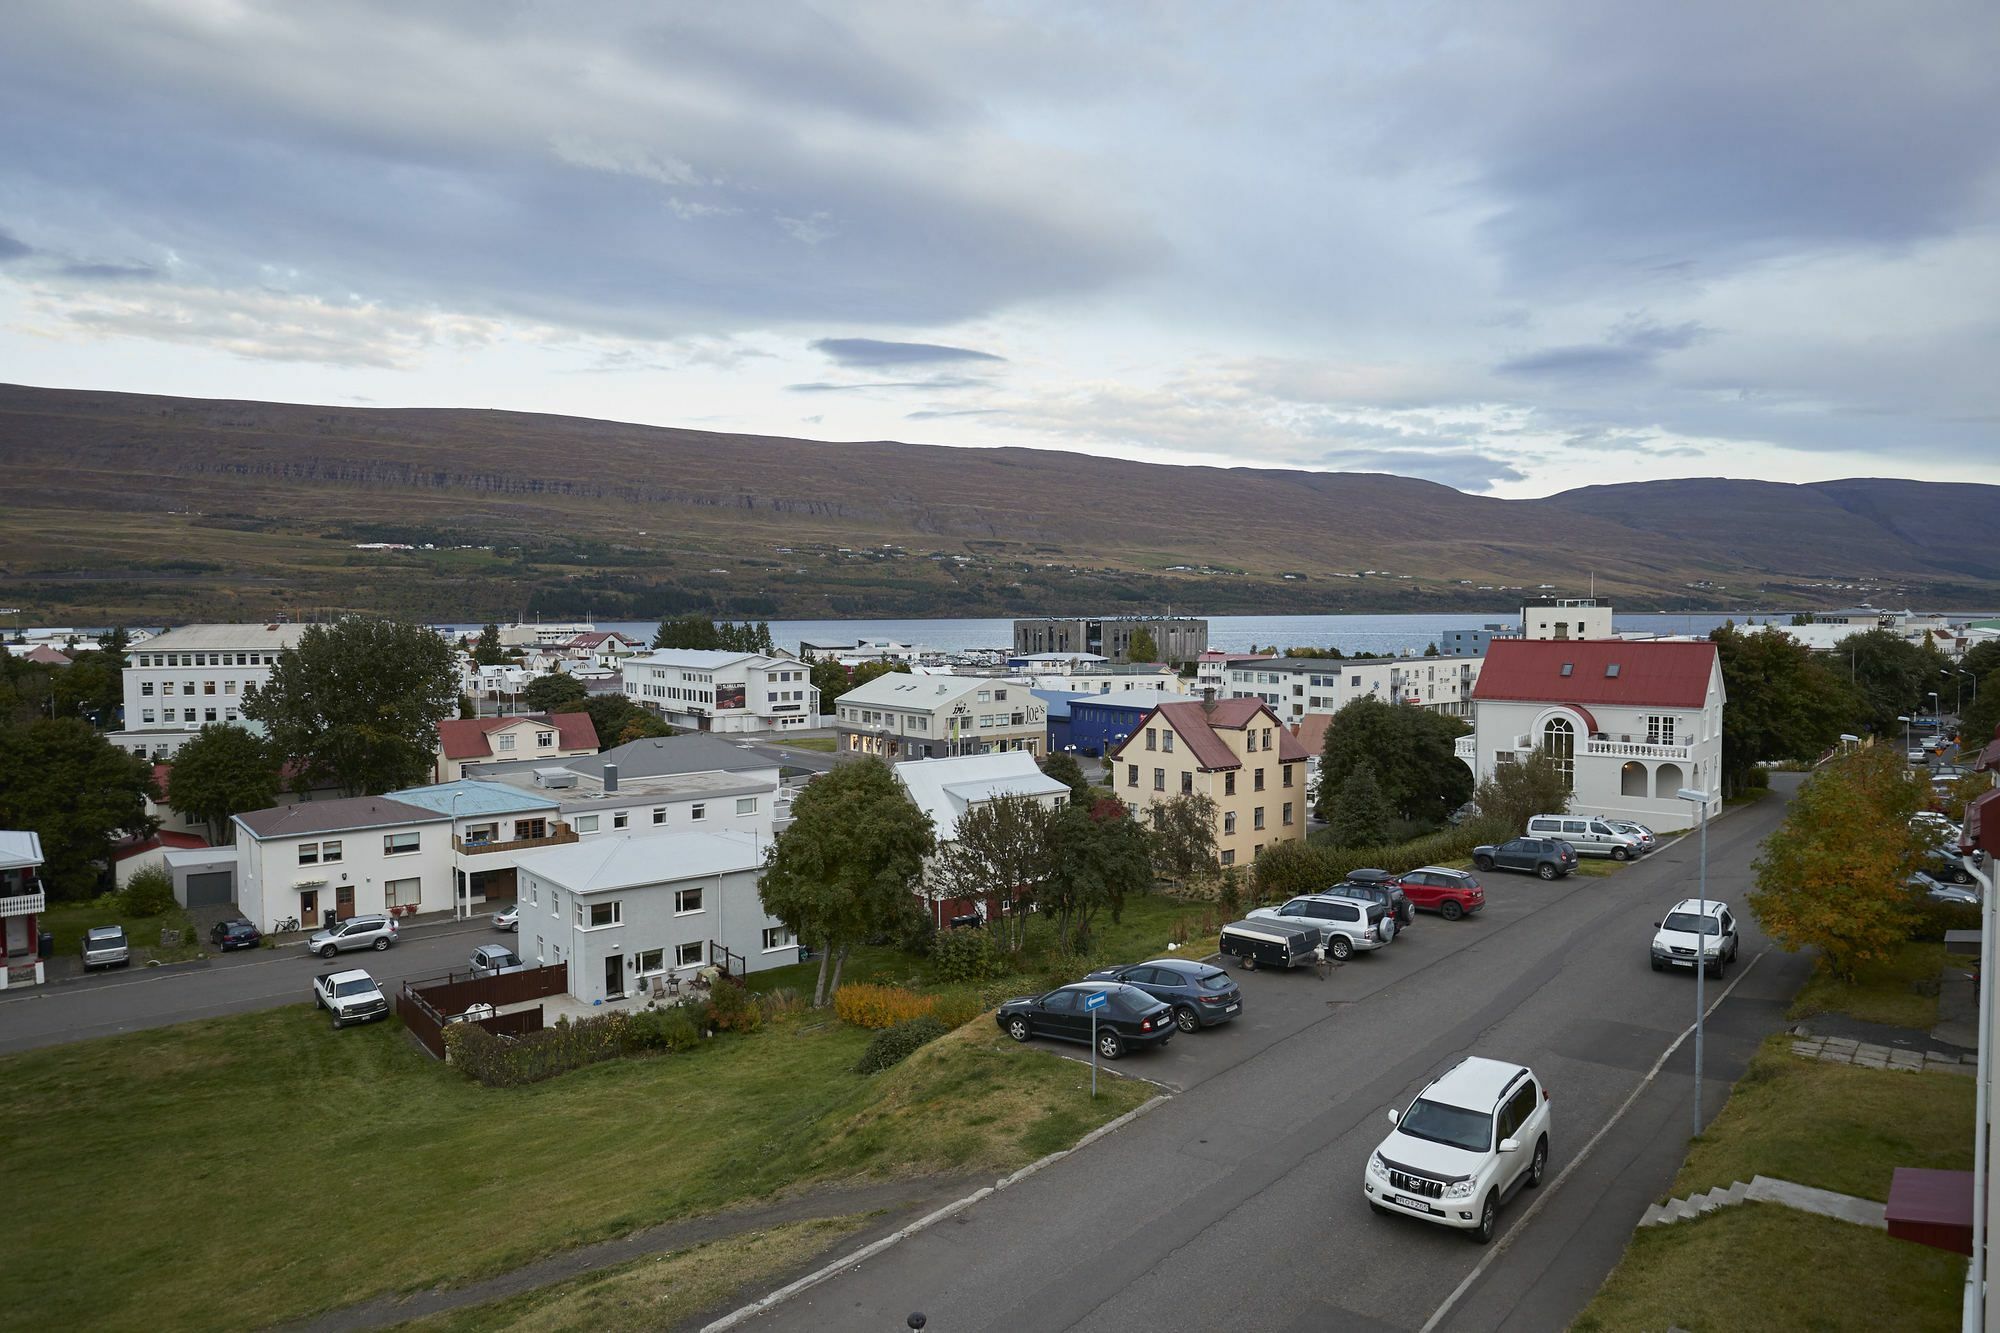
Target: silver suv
pixel 357 932
pixel 105 946
pixel 1345 924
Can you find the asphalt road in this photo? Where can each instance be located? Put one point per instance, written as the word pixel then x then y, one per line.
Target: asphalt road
pixel 1238 1203
pixel 233 983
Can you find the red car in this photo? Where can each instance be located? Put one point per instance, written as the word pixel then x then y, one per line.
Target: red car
pixel 1450 893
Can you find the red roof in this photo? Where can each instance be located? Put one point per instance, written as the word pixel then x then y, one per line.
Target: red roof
pixel 1672 674
pixel 1197 724
pixel 597 637
pixel 45 655
pixel 465 738
pixel 130 847
pixel 1311 731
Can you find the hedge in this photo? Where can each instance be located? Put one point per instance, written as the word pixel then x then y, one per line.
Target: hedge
pixel 880 1006
pixel 500 1062
pixel 1291 868
pixel 894 1045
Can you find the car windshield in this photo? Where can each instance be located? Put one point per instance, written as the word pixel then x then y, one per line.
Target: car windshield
pixel 1134 1002
pixel 1216 981
pixel 110 935
pixel 1693 924
pixel 358 986
pixel 1453 1125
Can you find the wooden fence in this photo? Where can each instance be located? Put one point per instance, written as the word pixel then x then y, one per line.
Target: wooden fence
pixel 426 1005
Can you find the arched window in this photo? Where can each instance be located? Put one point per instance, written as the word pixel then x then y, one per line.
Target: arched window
pixel 1632 779
pixel 1559 739
pixel 1667 782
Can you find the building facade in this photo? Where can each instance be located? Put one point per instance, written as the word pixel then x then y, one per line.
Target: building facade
pixel 178 682
pixel 544 737
pixel 1179 638
pixel 1237 753
pixel 1296 686
pixel 900 716
pixel 947 790
pixel 361 856
pixel 1631 722
pixel 733 693
pixel 1471 642
pixel 1099 723
pixel 1567 618
pixel 22 902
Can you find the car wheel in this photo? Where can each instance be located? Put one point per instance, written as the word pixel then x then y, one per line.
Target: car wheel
pixel 1540 1164
pixel 1249 963
pixel 1659 966
pixel 1489 1217
pixel 1546 870
pixel 1450 910
pixel 1483 862
pixel 1339 948
pixel 1018 1029
pixel 381 944
pixel 327 951
pixel 1377 1209
pixel 1109 1044
pixel 1186 1019
pixel 1619 854
pixel 1716 969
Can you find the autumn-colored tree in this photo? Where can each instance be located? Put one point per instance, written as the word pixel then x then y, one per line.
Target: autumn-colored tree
pixel 1001 850
pixel 1831 878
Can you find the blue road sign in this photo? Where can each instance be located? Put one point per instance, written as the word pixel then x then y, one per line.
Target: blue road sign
pixel 1097 999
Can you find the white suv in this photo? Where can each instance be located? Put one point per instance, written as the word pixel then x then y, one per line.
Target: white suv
pixel 1471 1139
pixel 1345 924
pixel 1685 930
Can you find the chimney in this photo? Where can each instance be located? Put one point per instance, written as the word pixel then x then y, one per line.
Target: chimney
pixel 610 778
pixel 1208 698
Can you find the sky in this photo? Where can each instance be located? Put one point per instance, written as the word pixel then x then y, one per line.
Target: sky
pixel 1513 248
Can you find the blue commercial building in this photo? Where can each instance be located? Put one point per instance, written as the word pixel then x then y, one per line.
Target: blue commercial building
pixel 1099 721
pixel 1058 702
pixel 1471 642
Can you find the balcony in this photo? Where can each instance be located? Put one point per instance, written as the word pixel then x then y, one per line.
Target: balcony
pixel 20 904
pixel 474 847
pixel 1464 747
pixel 1637 750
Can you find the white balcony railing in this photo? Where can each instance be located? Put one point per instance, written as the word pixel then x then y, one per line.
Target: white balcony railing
pixel 1464 747
pixel 1636 750
pixel 20 904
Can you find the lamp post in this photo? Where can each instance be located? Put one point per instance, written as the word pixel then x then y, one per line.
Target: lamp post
pixel 1935 719
pixel 1700 799
pixel 1904 718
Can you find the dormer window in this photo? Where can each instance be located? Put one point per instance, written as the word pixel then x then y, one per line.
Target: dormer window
pixel 1611 672
pixel 1568 667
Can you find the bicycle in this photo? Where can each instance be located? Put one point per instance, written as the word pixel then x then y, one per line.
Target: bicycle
pixel 290 923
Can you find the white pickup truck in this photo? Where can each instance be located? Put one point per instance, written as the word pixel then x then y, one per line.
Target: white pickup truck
pixel 351 997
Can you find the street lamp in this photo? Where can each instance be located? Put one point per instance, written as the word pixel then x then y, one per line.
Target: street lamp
pixel 1700 800
pixel 1935 719
pixel 1904 718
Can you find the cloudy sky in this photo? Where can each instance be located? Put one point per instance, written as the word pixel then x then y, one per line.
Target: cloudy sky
pixel 1511 247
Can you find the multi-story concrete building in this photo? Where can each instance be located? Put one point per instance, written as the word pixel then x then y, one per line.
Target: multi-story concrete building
pixel 1178 638
pixel 903 716
pixel 1567 618
pixel 1235 752
pixel 1472 642
pixel 1296 686
pixel 724 691
pixel 180 681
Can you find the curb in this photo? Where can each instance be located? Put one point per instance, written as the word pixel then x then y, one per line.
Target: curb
pixel 956 1206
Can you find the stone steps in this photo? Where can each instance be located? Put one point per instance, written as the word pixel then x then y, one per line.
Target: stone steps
pixel 1767 1189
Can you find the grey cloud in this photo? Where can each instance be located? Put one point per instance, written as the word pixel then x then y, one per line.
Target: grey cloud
pixel 13 249
pixel 1633 350
pixel 1465 470
pixel 934 382
pixel 109 272
pixel 935 414
pixel 875 352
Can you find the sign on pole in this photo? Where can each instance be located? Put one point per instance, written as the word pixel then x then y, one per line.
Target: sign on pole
pixel 1093 1001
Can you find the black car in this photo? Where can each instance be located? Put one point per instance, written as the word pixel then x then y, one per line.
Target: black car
pixel 1201 996
pixel 1551 858
pixel 1385 890
pixel 237 934
pixel 1130 1018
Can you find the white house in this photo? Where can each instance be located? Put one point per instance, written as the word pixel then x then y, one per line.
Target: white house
pixel 178 682
pixel 724 691
pixel 905 716
pixel 544 737
pixel 1567 618
pixel 622 910
pixel 359 856
pixel 1632 722
pixel 949 789
pixel 22 901
pixel 664 784
pixel 1297 686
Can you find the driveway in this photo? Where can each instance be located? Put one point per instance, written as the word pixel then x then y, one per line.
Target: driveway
pixel 1238 1203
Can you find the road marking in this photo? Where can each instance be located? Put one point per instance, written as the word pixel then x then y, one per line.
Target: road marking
pixel 1543 1196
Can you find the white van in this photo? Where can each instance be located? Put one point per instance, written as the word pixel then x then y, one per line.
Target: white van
pixel 1589 835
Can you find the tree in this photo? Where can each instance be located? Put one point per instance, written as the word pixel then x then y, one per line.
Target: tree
pixel 1515 793
pixel 1891 676
pixel 78 791
pixel 1062 766
pixel 618 720
pixel 1981 658
pixel 488 650
pixel 90 687
pixel 699 633
pixel 849 864
pixel 1361 813
pixel 1412 751
pixel 1184 835
pixel 554 692
pixel 357 703
pixel 1093 864
pixel 1982 714
pixel 466 711
pixel 868 671
pixel 1783 701
pixel 221 772
pixel 1000 850
pixel 831 680
pixel 1831 877
pixel 1431 650
pixel 1141 647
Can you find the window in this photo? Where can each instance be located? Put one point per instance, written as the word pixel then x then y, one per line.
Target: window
pixel 329 850
pixel 659 814
pixel 1228 784
pixel 1187 784
pixel 648 962
pixel 1288 814
pixel 1159 779
pixel 746 805
pixel 208 715
pixel 1257 780
pixel 620 818
pixel 1131 775
pixel 1167 741
pixel 1286 771
pixel 503 742
pixel 146 688
pixel 402 892
pixel 1267 738
pixel 1257 818
pixel 147 715
pixel 1660 730
pixel 187 715
pixel 687 902
pixel 1229 857
pixel 208 687
pixel 606 914
pixel 1559 739
pixel 699 811
pixel 308 853
pixel 545 739
pixel 687 955
pixel 1152 739
pixel 1229 823
pixel 401 844
pixel 229 687
pixel 586 823
pixel 777 937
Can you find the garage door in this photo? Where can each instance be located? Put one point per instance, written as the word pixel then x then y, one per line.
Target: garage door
pixel 211 888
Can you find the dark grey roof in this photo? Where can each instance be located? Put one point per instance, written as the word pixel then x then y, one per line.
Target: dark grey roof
pixel 652 757
pixel 354 812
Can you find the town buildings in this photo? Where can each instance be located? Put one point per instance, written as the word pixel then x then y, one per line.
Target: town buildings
pixel 1567 618
pixel 1237 753
pixel 537 736
pixel 330 860
pixel 22 901
pixel 1296 686
pixel 1099 723
pixel 180 681
pixel 1178 638
pixel 727 692
pixel 902 716
pixel 947 790
pixel 1631 722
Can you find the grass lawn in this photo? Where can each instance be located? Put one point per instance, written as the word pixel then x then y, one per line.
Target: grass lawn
pixel 1881 992
pixel 1762 1266
pixel 655 1292
pixel 821 744
pixel 1837 1127
pixel 68 921
pixel 322 1167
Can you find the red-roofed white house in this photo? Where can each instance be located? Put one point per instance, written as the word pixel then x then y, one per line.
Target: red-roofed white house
pixel 485 740
pixel 1235 752
pixel 1633 722
pixel 132 855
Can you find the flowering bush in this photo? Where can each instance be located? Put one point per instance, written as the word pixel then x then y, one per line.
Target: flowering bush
pixel 880 1006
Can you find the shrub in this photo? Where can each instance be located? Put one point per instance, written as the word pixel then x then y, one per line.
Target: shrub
pixel 879 1006
pixel 675 1028
pixel 150 893
pixel 895 1044
pixel 736 1010
pixel 1756 779
pixel 1932 920
pixel 778 1002
pixel 962 955
pixel 534 1056
pixel 1061 967
pixel 955 1009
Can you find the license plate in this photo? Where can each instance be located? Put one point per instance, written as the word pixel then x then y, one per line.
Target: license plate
pixel 1232 1008
pixel 1418 1204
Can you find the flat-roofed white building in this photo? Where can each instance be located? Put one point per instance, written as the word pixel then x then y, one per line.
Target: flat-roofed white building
pixel 905 716
pixel 178 682
pixel 1297 686
pixel 724 692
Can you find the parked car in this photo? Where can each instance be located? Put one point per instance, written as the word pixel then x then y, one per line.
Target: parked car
pixel 1587 834
pixel 351 997
pixel 105 946
pixel 1937 823
pixel 1345 924
pixel 490 960
pixel 357 932
pixel 1452 894
pixel 1550 858
pixel 1689 934
pixel 1129 1020
pixel 1271 942
pixel 1381 883
pixel 237 934
pixel 507 920
pixel 1468 1142
pixel 1201 996
pixel 1942 893
pixel 1648 840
